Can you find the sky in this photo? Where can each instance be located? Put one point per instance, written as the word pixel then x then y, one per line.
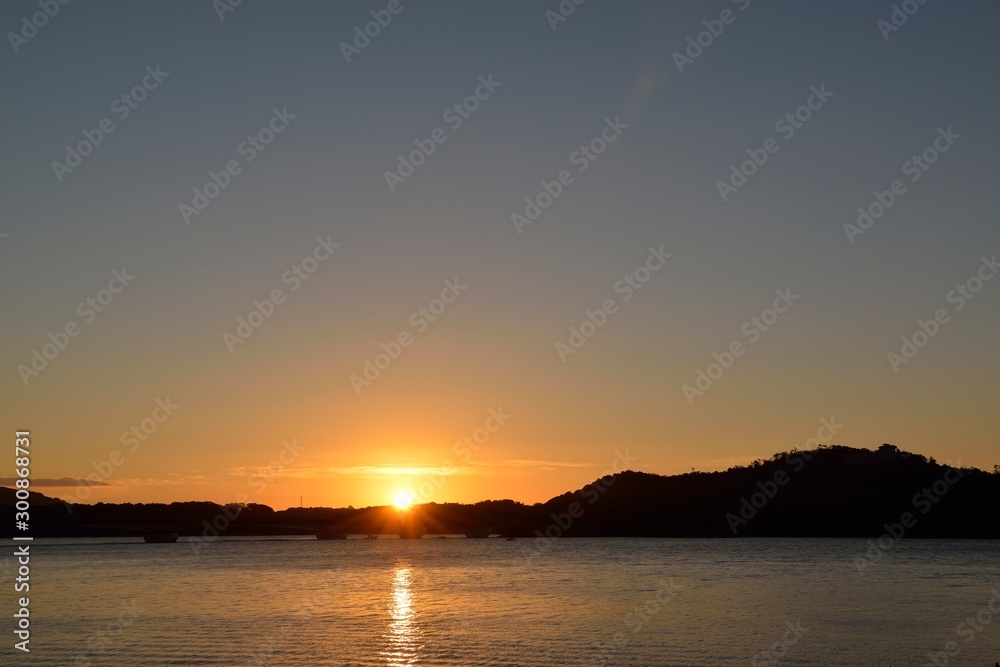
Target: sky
pixel 635 242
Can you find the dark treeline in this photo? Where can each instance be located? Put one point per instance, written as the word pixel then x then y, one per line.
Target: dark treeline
pixel 828 492
pixel 832 491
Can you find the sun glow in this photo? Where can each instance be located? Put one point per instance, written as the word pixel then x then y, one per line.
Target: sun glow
pixel 403 500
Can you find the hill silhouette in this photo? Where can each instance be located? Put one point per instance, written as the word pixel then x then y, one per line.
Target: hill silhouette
pixel 828 492
pixel 832 491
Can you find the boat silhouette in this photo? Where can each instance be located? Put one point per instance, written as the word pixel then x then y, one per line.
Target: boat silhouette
pixel 331 535
pixel 159 537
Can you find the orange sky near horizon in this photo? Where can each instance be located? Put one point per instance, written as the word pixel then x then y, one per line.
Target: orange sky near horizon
pixel 431 461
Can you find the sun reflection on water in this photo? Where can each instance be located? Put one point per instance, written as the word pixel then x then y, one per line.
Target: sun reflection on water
pixel 402 638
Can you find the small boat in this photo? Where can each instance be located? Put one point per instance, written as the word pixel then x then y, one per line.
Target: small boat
pixel 372 537
pixel 477 533
pixel 510 539
pixel 331 535
pixel 159 537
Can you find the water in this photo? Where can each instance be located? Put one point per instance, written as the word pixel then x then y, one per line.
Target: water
pixel 614 602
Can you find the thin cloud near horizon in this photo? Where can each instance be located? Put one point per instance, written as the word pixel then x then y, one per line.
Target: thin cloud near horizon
pixel 54 481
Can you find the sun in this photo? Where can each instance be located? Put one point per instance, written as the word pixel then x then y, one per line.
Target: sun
pixel 402 500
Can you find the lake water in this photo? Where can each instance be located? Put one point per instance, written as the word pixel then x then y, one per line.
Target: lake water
pixel 613 602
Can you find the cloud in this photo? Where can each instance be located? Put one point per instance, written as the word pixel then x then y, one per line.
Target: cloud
pixel 54 481
pixel 366 472
pixel 393 472
pixel 174 479
pixel 388 472
pixel 540 464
